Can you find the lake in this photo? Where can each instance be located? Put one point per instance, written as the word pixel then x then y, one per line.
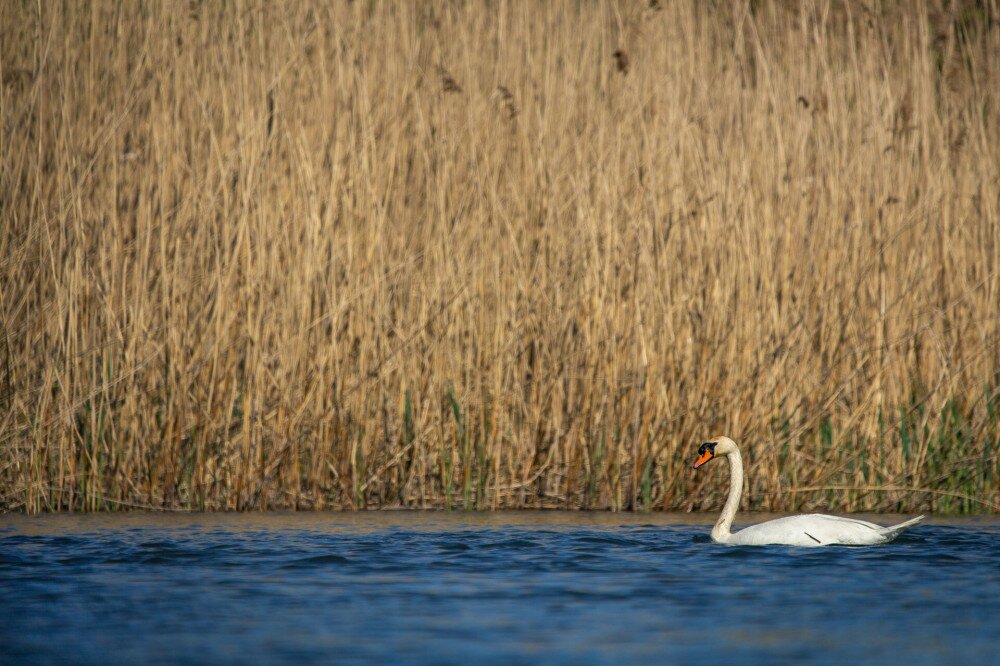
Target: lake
pixel 450 588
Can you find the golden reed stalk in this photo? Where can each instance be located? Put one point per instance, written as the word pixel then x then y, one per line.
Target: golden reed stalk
pixel 376 254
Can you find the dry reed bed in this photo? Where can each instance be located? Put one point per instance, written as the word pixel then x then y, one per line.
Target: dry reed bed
pixel 498 255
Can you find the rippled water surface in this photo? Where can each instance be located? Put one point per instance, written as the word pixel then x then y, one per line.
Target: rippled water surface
pixel 499 588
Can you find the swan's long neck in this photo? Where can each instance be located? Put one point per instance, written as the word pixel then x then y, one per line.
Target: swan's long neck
pixel 721 531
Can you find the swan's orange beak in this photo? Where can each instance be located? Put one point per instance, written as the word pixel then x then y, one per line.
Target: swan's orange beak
pixel 703 458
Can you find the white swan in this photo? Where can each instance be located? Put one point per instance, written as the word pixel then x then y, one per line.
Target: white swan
pixel 811 530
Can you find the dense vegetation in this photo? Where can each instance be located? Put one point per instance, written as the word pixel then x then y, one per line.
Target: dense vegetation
pixel 498 255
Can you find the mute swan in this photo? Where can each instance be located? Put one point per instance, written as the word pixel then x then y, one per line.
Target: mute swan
pixel 811 530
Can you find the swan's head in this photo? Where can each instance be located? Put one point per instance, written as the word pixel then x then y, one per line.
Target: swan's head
pixel 713 448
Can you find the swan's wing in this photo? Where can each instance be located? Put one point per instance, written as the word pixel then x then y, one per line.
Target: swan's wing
pixel 853 531
pixel 842 520
pixel 846 531
pixel 811 530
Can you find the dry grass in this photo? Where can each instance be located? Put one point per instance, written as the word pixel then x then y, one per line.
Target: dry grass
pixel 509 255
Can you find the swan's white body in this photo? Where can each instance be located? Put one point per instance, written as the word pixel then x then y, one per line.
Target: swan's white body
pixel 810 530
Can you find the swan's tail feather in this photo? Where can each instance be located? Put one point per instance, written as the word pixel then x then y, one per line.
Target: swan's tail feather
pixel 894 531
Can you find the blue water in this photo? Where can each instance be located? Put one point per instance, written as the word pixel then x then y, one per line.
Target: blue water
pixel 507 588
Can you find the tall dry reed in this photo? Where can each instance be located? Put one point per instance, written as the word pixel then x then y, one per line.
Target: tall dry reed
pixel 487 255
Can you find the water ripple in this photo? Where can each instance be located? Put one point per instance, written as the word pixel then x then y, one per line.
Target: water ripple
pixel 409 592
